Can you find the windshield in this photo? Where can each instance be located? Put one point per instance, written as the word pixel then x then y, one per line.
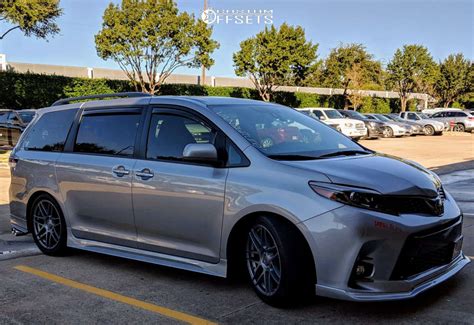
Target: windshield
pixel 26 117
pixel 356 114
pixel 277 130
pixel 382 118
pixel 397 118
pixel 423 115
pixel 332 113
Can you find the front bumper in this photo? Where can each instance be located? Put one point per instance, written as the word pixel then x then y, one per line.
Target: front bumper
pixel 414 286
pixel 354 133
pixel 342 238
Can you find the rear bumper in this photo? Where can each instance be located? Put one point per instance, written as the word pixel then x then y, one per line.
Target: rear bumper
pixel 415 285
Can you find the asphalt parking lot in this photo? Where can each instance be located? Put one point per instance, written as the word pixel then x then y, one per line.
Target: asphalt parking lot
pixel 91 288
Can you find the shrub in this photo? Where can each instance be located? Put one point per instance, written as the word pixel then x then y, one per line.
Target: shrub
pixel 29 90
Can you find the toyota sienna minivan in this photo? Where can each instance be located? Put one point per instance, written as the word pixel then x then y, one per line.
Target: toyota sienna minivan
pixel 190 183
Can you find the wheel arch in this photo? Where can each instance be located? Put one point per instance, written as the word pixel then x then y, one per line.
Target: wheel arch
pixel 236 241
pixel 29 205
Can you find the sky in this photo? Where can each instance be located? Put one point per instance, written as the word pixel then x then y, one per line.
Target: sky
pixel 443 26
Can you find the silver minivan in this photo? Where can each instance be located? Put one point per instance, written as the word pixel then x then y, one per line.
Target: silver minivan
pixel 190 183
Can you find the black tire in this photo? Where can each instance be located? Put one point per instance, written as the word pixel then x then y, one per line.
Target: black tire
pixel 293 262
pixel 47 212
pixel 459 127
pixel 429 130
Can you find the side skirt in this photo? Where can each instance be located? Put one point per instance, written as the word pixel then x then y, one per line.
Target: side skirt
pixel 219 269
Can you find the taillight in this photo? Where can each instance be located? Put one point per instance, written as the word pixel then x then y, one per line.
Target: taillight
pixel 471 118
pixel 12 161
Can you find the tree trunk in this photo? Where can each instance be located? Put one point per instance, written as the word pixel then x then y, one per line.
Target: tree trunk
pixel 403 103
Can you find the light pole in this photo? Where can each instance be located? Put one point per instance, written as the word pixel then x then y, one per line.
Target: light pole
pixel 203 68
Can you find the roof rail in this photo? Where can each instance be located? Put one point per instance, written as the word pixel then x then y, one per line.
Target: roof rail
pixel 121 95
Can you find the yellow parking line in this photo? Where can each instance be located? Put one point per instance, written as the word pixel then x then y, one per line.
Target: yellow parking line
pixel 115 296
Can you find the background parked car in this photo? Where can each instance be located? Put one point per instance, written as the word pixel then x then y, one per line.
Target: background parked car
pixel 375 129
pixel 350 127
pixel 317 115
pixel 417 128
pixel 431 127
pixel 394 129
pixel 430 111
pixel 462 121
pixel 12 124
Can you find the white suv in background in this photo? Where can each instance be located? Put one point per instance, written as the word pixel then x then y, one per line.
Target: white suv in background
pixel 352 128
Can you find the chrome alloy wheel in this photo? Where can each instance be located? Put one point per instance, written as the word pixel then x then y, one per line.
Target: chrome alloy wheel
pixel 47 224
pixel 263 260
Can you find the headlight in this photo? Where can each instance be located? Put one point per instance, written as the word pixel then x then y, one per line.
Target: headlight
pixel 349 125
pixel 372 200
pixel 355 196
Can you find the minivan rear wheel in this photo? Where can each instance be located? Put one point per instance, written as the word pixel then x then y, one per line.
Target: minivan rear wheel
pixel 48 226
pixel 277 262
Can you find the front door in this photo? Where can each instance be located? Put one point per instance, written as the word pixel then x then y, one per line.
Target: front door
pixel 178 205
pixel 95 178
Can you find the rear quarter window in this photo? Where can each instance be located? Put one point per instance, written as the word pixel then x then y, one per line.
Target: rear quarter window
pixel 49 133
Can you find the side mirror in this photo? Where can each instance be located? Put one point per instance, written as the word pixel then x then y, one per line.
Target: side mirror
pixel 200 152
pixel 322 118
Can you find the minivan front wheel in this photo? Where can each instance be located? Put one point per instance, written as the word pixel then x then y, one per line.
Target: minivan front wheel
pixel 277 262
pixel 48 226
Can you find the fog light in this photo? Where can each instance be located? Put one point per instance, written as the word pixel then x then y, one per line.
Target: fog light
pixel 364 270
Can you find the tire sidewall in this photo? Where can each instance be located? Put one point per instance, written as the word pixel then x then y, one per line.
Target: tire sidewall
pixel 429 130
pixel 292 284
pixel 60 248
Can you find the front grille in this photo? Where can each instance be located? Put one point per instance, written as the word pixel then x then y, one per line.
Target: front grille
pixel 412 205
pixel 360 126
pixel 427 249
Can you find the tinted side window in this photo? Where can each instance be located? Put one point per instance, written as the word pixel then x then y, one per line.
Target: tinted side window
pixel 442 114
pixel 110 134
pixel 3 117
pixel 50 131
pixel 317 113
pixel 169 135
pixel 13 118
pixel 460 114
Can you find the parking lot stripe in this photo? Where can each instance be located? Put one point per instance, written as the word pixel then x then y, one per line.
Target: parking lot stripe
pixel 115 296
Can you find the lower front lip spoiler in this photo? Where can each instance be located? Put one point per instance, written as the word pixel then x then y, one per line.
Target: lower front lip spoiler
pixel 440 275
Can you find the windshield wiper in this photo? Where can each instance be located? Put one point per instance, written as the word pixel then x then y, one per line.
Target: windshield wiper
pixel 291 157
pixel 344 153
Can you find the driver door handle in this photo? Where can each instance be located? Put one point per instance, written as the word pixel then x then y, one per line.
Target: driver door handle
pixel 145 173
pixel 120 171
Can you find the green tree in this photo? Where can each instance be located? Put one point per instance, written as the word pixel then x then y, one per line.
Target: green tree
pixel 411 69
pixel 275 57
pixel 350 66
pixel 150 39
pixel 32 17
pixel 453 79
pixel 85 87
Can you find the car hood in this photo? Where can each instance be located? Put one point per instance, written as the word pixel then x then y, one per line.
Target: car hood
pixel 392 123
pixel 383 173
